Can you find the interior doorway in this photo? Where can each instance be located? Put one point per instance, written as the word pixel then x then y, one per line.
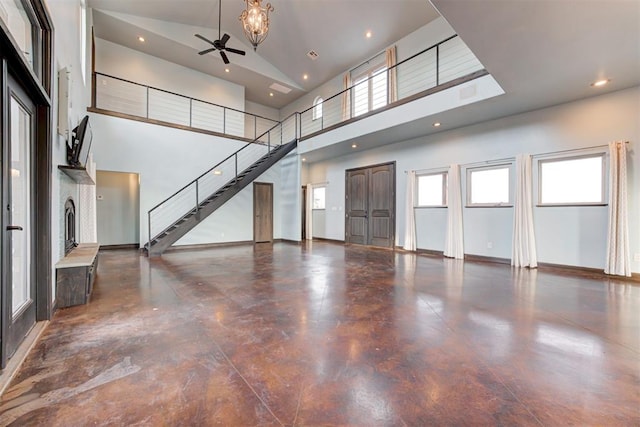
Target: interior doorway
pixel 118 209
pixel 370 205
pixel 262 212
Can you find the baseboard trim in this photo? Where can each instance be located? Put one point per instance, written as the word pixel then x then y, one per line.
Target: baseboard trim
pixel 135 246
pixel 16 361
pixel 590 271
pixel 482 258
pixel 430 252
pixel 202 246
pixel 288 241
pixel 324 239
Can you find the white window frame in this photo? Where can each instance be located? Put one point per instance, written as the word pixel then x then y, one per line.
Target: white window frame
pixel 316 112
pixel 469 184
pixel 313 198
pixel 367 77
pixel 603 191
pixel 83 40
pixel 445 183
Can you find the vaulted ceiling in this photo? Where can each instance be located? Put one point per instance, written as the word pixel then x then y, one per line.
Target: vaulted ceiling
pixel 334 29
pixel 542 52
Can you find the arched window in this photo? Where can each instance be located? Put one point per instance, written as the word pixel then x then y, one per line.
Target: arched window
pixel 317 108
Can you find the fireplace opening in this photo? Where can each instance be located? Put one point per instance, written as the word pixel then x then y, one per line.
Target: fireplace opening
pixel 69 226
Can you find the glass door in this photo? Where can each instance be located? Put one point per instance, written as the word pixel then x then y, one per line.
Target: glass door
pixel 19 305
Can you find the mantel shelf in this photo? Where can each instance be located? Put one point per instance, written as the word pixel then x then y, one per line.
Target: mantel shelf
pixel 78 174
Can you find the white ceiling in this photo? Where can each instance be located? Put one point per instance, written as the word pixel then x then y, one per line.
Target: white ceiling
pixel 542 52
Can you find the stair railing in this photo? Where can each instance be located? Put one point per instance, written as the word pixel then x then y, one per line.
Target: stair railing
pixel 190 197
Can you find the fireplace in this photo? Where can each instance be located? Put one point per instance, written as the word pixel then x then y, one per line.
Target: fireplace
pixel 69 226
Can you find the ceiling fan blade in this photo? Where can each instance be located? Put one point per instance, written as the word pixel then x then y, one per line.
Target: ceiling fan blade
pixel 224 57
pixel 232 50
pixel 225 39
pixel 204 38
pixel 204 52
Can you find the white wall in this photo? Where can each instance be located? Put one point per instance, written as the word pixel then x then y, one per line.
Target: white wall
pixel 291 197
pixel 565 235
pixel 129 64
pixel 67 48
pixel 166 159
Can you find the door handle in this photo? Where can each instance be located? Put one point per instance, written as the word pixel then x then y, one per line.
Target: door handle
pixel 14 228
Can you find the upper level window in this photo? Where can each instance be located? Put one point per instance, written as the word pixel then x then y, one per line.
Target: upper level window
pixel 369 86
pixel 432 190
pixel 489 186
pixel 317 108
pixel 572 181
pixel 318 197
pixel 83 39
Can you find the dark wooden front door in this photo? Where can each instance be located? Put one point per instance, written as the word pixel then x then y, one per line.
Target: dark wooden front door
pixel 370 205
pixel 262 212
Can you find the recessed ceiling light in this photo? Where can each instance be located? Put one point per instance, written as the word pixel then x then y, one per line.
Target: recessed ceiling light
pixel 600 83
pixel 368 34
pixel 217 172
pixel 304 159
pixel 305 77
pixel 226 70
pixel 270 93
pixel 436 124
pixel 354 145
pixel 141 39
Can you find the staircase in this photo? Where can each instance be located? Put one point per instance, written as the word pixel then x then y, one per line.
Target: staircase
pixel 202 208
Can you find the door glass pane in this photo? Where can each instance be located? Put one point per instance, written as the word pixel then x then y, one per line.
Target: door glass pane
pixel 20 135
pixel 13 14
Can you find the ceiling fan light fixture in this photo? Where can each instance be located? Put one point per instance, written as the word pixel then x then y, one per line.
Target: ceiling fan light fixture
pixel 255 21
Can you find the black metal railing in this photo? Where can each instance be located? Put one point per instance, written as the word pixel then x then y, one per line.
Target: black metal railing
pixel 435 68
pixel 134 99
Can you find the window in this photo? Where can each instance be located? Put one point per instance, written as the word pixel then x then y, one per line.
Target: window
pixel 83 40
pixel 317 108
pixel 318 197
pixel 432 190
pixel 369 86
pixel 572 181
pixel 489 186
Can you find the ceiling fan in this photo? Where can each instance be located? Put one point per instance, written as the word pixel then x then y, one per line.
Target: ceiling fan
pixel 221 43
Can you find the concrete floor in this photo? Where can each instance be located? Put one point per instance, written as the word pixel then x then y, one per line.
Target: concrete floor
pixel 325 334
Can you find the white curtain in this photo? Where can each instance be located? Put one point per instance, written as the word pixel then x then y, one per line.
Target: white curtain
pixel 618 260
pixel 409 215
pixel 392 81
pixel 308 221
pixel 87 208
pixel 346 97
pixel 454 241
pixel 523 250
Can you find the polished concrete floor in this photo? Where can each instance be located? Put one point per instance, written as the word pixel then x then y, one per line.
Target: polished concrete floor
pixel 325 334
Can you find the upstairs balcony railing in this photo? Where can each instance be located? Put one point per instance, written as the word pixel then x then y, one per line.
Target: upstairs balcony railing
pixel 437 67
pixel 134 99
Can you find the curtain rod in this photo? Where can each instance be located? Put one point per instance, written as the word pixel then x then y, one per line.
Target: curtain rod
pixel 488 162
pixel 571 150
pixel 420 171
